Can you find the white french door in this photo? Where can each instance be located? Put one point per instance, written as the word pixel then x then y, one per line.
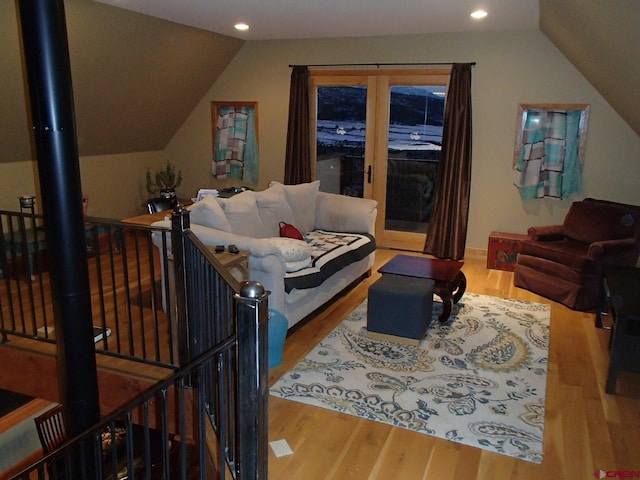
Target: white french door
pixel 378 135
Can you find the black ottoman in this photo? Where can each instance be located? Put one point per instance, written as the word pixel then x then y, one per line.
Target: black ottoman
pixel 399 308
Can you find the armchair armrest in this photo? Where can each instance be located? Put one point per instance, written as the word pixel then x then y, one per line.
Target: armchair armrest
pixel 546 232
pixel 614 251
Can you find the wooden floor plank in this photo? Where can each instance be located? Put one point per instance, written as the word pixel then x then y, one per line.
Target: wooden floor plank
pixel 494 466
pixel 598 434
pixel 402 456
pixel 467 463
pixel 355 459
pixel 442 462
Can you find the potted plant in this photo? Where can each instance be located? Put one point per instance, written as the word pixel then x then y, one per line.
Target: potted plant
pixel 164 181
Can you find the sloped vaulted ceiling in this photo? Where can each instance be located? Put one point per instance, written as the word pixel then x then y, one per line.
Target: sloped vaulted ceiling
pixel 602 40
pixel 136 78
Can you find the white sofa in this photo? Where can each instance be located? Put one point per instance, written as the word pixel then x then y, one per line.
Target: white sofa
pixel 339 246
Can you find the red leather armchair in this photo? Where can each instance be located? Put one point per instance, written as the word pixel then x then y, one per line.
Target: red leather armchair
pixel 565 262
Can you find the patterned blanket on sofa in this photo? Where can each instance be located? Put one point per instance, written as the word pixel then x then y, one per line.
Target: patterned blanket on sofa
pixel 331 252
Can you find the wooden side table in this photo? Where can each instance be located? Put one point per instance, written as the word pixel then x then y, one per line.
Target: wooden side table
pixel 237 264
pixel 450 282
pixel 147 219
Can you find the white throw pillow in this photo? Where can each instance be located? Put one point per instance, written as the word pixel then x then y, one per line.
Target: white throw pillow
pixel 292 250
pixel 209 213
pixel 295 266
pixel 273 208
pixel 296 253
pixel 302 200
pixel 241 211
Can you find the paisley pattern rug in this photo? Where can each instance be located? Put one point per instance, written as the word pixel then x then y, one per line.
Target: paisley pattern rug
pixel 479 379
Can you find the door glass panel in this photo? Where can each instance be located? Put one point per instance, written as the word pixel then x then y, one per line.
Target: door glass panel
pixel 340 139
pixel 416 116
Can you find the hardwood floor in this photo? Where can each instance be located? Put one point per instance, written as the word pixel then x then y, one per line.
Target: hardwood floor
pixel 585 429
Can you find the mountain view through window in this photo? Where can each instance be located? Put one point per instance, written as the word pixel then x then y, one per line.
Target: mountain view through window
pixel 414 142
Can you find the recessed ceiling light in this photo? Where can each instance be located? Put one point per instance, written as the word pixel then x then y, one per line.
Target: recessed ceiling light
pixel 478 14
pixel 241 26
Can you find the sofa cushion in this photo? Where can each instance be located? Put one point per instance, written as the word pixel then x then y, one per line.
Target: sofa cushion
pixel 296 253
pixel 292 250
pixel 209 213
pixel 302 200
pixel 241 211
pixel 291 267
pixel 553 270
pixel 273 208
pixel 565 252
pixel 337 213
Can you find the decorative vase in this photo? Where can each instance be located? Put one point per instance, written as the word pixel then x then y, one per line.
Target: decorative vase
pixel 277 331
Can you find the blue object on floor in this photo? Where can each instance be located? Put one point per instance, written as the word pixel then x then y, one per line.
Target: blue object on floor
pixel 400 306
pixel 278 326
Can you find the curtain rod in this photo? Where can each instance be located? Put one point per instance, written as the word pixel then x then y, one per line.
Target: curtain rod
pixel 380 64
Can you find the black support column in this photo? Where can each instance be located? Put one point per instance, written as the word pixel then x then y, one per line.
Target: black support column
pixel 48 72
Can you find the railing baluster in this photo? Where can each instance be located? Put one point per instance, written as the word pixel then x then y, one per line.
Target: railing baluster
pixel 154 299
pixel 39 266
pixel 27 261
pixel 140 309
pixel 164 431
pixel 101 296
pixel 15 247
pixel 114 294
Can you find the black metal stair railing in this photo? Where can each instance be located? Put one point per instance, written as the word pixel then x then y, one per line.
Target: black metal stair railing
pixel 160 434
pixel 126 274
pixel 209 418
pixel 239 422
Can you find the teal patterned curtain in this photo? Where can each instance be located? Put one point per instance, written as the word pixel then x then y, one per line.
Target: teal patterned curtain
pixel 236 144
pixel 548 160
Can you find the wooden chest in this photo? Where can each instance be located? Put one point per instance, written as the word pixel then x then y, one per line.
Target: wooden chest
pixel 503 250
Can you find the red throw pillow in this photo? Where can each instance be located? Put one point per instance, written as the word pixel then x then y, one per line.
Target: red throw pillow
pixel 289 231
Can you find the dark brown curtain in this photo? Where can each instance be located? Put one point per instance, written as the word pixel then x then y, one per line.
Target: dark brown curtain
pixel 297 164
pixel 447 233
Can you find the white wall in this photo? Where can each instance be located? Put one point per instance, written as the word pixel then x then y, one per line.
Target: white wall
pixel 512 68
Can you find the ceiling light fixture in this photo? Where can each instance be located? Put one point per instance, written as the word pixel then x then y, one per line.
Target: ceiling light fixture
pixel 478 14
pixel 243 27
